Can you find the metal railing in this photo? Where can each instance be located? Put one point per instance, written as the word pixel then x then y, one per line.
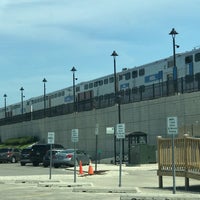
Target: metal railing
pixel 130 95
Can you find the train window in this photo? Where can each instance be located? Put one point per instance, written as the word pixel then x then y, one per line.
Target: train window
pixel 111 79
pixel 169 77
pixel 134 74
pixel 120 77
pixel 170 63
pixel 96 84
pixel 128 76
pixel 101 82
pixel 197 57
pixel 77 89
pixel 105 81
pixel 90 85
pixel 188 59
pixel 141 72
pixel 85 86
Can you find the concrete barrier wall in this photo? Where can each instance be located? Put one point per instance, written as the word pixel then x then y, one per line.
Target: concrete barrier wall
pixel 149 117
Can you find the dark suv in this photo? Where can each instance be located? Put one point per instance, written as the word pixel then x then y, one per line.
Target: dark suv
pixel 9 155
pixel 25 156
pixel 39 150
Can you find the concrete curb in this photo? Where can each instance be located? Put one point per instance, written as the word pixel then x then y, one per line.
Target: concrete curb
pixel 64 184
pixel 107 190
pixel 159 197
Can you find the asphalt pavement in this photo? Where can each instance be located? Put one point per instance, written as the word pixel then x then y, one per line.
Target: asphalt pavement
pixel 136 183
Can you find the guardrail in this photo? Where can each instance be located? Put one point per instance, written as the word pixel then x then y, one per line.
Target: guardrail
pixel 186 158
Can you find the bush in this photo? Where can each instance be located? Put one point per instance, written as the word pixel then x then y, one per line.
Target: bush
pixel 21 140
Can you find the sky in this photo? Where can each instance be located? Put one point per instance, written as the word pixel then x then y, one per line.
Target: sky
pixel 46 38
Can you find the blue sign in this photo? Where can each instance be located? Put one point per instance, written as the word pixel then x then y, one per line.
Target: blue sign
pixel 68 99
pixel 191 68
pixel 124 86
pixel 154 77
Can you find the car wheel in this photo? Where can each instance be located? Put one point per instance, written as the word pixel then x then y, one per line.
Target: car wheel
pixel 35 164
pixel 13 160
pixel 56 165
pixel 23 164
pixel 45 165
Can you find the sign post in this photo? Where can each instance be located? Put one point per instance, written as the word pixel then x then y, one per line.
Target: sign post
pixel 172 129
pixel 96 134
pixel 120 136
pixel 74 138
pixel 51 136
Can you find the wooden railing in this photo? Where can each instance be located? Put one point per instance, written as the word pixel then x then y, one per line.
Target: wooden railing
pixel 186 158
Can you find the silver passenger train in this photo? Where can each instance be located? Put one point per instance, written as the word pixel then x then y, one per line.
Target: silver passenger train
pixel 188 63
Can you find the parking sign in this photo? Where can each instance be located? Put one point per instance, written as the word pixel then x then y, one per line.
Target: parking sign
pixel 51 137
pixel 74 135
pixel 172 127
pixel 120 131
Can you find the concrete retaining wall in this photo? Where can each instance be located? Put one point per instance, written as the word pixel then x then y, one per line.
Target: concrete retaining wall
pixel 146 116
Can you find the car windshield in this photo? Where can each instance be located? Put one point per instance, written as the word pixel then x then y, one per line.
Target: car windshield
pixel 4 150
pixel 26 150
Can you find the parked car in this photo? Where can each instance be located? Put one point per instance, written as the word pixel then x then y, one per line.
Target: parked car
pixel 66 157
pixel 9 155
pixel 46 158
pixel 38 151
pixel 25 156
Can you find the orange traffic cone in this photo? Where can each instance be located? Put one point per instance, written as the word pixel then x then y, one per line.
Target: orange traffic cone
pixel 80 168
pixel 90 169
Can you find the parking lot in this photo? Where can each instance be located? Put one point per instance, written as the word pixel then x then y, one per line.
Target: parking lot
pixel 15 169
pixel 29 182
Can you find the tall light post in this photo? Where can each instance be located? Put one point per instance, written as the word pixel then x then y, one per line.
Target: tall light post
pixel 5 95
pixel 173 33
pixel 44 81
pixel 117 99
pixel 22 97
pixel 73 70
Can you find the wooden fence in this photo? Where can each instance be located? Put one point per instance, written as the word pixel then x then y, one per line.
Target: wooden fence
pixel 186 158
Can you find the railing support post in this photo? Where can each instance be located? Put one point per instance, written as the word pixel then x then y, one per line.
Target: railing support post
pixel 186 162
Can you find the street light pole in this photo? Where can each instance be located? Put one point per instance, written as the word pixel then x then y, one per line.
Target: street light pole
pixel 5 95
pixel 44 81
pixel 173 33
pixel 22 96
pixel 117 100
pixel 73 70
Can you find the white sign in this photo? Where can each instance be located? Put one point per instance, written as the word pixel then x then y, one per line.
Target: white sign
pixel 110 130
pixel 51 137
pixel 97 129
pixel 120 131
pixel 74 135
pixel 172 125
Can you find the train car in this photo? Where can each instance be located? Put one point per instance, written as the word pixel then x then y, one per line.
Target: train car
pixel 187 66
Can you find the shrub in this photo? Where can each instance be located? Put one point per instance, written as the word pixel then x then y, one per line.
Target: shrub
pixel 21 140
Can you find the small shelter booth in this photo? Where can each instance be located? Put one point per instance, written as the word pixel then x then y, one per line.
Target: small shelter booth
pixel 139 152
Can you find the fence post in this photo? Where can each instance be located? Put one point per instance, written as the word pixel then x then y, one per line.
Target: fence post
pixel 186 161
pixel 160 178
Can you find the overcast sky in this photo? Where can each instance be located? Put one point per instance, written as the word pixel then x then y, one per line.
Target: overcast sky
pixel 46 38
